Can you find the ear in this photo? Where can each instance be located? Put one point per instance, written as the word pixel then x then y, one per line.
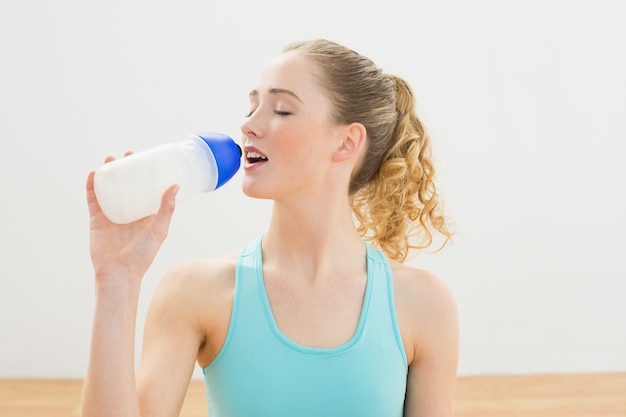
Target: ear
pixel 353 141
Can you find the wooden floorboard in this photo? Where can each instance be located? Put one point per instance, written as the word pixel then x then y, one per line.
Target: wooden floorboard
pixel 590 395
pixel 587 395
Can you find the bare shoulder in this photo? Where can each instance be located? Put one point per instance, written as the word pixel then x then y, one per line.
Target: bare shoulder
pixel 414 284
pixel 196 279
pixel 426 308
pixel 193 301
pixel 201 276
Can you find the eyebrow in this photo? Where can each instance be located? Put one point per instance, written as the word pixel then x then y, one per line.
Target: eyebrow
pixel 255 93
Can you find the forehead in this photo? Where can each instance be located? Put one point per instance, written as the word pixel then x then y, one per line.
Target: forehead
pixel 289 71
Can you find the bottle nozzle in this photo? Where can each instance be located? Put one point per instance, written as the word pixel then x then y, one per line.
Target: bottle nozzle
pixel 223 148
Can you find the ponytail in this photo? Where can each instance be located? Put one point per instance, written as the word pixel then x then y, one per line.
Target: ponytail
pixel 400 206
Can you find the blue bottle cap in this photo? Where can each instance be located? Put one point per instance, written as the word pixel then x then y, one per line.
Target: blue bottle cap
pixel 227 155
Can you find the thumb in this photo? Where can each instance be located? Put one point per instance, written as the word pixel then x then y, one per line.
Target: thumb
pixel 163 217
pixel 92 201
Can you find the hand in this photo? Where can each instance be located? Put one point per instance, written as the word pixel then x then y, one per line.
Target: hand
pixel 125 251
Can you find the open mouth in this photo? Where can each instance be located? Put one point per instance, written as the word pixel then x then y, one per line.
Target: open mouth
pixel 254 157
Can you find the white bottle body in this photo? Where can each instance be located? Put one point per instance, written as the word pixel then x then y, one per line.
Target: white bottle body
pixel 131 188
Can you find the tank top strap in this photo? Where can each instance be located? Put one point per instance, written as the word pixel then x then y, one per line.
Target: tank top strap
pixel 249 249
pixel 382 317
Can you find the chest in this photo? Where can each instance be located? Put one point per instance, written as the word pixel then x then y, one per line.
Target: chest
pixel 320 314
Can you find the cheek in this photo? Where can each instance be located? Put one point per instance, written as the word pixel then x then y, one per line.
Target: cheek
pixel 303 145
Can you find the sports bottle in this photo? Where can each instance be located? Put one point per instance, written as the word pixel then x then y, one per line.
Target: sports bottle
pixel 131 188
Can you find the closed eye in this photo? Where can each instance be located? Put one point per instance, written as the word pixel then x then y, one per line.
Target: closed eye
pixel 278 112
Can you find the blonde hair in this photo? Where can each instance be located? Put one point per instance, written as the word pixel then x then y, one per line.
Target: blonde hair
pixel 393 194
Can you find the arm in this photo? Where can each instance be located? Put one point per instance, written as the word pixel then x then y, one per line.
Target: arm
pixel 173 336
pixel 430 328
pixel 120 254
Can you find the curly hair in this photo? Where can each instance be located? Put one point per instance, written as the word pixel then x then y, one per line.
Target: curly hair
pixel 393 194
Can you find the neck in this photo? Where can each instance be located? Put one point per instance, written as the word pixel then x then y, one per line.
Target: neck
pixel 316 238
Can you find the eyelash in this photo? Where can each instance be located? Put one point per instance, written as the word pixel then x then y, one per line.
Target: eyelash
pixel 280 113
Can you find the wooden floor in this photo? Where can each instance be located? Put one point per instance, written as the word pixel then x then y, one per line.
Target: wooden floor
pixel 591 395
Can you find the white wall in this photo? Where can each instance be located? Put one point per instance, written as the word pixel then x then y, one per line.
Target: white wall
pixel 525 100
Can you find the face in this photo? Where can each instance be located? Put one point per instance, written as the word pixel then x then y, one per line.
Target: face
pixel 288 136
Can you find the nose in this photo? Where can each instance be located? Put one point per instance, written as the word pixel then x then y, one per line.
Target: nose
pixel 251 128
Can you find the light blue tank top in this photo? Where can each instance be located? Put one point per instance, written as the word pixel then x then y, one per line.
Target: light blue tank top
pixel 260 372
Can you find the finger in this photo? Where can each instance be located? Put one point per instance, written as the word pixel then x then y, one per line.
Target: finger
pixel 163 217
pixel 128 153
pixel 108 159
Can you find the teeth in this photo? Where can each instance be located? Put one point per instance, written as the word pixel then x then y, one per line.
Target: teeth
pixel 255 155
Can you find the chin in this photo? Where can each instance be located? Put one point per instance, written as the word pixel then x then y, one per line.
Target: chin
pixel 255 191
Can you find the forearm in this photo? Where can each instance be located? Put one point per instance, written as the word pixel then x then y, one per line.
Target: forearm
pixel 110 388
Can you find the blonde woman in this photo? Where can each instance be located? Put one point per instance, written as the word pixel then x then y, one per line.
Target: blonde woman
pixel 316 317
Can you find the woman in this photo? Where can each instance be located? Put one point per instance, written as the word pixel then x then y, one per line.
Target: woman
pixel 307 320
